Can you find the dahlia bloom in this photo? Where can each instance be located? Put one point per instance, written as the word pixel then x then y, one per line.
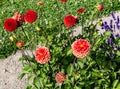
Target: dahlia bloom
pixel 10 24
pixel 80 48
pixel 30 16
pixel 20 44
pixel 81 10
pixel 42 55
pixel 60 77
pixel 19 18
pixel 69 20
pixel 63 0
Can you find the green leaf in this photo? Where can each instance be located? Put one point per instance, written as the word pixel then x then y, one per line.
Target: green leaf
pixel 115 82
pixel 70 69
pixel 27 69
pixel 48 85
pixel 29 87
pixel 106 35
pixel 69 51
pixel 36 82
pixel 118 86
pixel 118 53
pixel 81 64
pixel 76 87
pixel 21 75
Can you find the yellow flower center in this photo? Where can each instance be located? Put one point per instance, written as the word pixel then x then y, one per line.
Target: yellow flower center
pixel 40 54
pixel 81 45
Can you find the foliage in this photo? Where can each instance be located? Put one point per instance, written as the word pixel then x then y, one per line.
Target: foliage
pixel 93 71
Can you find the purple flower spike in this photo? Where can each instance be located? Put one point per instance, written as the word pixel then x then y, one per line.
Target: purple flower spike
pixel 117 25
pixel 110 41
pixel 111 21
pixel 118 19
pixel 118 48
pixel 105 26
pixel 117 35
pixel 113 15
pixel 112 37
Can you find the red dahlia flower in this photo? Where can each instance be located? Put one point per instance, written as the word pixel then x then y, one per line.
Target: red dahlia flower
pixel 100 7
pixel 81 10
pixel 80 48
pixel 10 24
pixel 60 77
pixel 42 55
pixel 69 20
pixel 63 0
pixel 30 16
pixel 19 18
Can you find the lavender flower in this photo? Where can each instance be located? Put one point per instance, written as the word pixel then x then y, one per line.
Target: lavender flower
pixel 111 21
pixel 113 15
pixel 117 25
pixel 105 26
pixel 118 19
pixel 118 48
pixel 117 35
pixel 110 40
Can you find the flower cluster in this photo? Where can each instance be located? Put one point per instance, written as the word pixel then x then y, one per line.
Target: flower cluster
pixel 10 24
pixel 113 24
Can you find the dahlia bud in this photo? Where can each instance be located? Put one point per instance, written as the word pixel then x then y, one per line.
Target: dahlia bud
pixel 19 18
pixel 81 10
pixel 40 3
pixel 20 44
pixel 100 7
pixel 11 38
pixel 60 77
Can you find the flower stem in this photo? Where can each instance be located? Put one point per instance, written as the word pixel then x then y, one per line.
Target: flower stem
pixel 25 33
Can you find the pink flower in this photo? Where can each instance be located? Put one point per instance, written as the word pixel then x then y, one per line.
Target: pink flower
pixel 30 16
pixel 80 48
pixel 19 18
pixel 60 77
pixel 10 24
pixel 42 55
pixel 69 20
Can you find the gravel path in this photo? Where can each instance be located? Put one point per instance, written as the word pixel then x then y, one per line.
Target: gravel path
pixel 10 67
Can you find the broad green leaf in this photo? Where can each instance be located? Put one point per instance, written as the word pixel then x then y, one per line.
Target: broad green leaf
pixel 29 87
pixel 115 82
pixel 118 86
pixel 70 69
